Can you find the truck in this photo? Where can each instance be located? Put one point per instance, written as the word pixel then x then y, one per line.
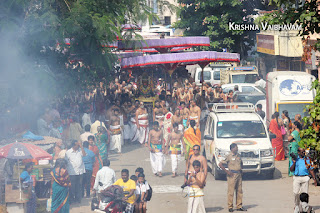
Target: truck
pixel 241 74
pixel 238 123
pixel 288 90
pixel 211 73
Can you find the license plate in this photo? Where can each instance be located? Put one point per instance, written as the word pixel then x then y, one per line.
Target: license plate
pixel 249 163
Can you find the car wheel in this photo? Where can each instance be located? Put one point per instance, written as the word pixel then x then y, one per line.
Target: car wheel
pixel 269 174
pixel 214 171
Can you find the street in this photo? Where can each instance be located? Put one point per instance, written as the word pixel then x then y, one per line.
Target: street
pixel 260 196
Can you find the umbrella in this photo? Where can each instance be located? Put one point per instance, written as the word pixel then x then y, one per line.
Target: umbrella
pixel 171 61
pixel 152 50
pixel 164 45
pixel 20 151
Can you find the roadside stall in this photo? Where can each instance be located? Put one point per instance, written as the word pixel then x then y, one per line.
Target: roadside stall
pixel 19 194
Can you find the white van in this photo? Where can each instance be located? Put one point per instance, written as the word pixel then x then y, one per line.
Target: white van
pixel 238 123
pixel 209 75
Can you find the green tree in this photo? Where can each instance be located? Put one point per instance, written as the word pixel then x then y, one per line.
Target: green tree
pixel 34 54
pixel 306 14
pixel 212 17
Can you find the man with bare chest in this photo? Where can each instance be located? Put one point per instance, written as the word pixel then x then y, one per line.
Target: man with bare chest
pixel 142 124
pixel 157 148
pixel 175 143
pixel 192 158
pixel 115 128
pixel 158 114
pixel 195 112
pixel 177 118
pixel 185 114
pixel 183 97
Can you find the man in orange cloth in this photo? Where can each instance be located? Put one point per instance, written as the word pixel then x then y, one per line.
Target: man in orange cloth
pixel 192 136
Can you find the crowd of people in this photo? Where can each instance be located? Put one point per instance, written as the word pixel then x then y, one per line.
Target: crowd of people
pixel 94 124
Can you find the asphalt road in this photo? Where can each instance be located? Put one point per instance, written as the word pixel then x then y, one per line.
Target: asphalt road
pixel 260 195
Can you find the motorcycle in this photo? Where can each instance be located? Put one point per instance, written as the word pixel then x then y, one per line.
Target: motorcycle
pixel 110 200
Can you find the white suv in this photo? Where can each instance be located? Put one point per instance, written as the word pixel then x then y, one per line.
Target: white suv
pixel 238 123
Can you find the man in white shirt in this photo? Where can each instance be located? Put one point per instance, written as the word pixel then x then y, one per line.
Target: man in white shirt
pixel 86 119
pixel 75 169
pixel 260 82
pixel 84 136
pixel 105 177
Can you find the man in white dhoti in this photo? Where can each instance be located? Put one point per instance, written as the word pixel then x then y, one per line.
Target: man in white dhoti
pixel 158 114
pixel 177 118
pixel 133 123
pixel 167 125
pixel 157 148
pixel 196 183
pixel 127 135
pixel 175 144
pixel 142 123
pixel 115 128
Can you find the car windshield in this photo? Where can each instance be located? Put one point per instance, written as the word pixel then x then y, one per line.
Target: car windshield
pixel 244 78
pixel 206 75
pixel 216 75
pixel 241 129
pixel 249 98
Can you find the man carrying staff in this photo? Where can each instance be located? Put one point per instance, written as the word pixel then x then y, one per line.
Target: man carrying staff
pixel 115 128
pixel 185 114
pixel 158 114
pixel 175 142
pixel 157 148
pixel 195 112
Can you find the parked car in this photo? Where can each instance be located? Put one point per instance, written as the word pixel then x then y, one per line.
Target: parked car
pixel 250 97
pixel 238 123
pixel 209 75
pixel 243 87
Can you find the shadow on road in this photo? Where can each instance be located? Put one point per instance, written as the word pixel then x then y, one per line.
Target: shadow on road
pixel 257 177
pixel 316 207
pixel 249 206
pixel 214 209
pixel 131 147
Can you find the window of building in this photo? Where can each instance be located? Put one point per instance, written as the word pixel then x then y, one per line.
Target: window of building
pixel 167 20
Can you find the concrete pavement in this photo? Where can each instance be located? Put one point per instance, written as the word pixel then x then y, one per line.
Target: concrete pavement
pixel 260 195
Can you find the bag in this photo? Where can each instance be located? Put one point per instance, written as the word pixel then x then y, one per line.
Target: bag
pixel 49 201
pixel 310 210
pixel 149 195
pixel 94 204
pixel 283 130
pixel 113 191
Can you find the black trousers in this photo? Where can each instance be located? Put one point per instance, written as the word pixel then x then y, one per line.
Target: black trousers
pixel 86 183
pixel 76 189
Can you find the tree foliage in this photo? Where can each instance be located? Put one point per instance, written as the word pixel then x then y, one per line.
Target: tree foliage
pixel 307 14
pixel 34 55
pixel 310 137
pixel 212 17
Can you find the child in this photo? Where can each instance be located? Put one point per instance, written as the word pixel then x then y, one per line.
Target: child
pixel 141 193
pixel 304 204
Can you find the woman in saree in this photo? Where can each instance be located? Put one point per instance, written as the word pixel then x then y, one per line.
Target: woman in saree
pixel 191 137
pixel 60 187
pixel 294 139
pixel 102 142
pixel 98 161
pixel 277 143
